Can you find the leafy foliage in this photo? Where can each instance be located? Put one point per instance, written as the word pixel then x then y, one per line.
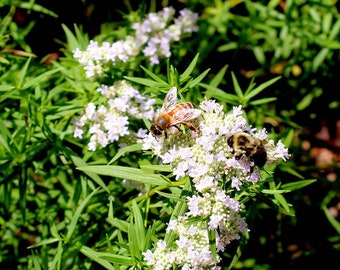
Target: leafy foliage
pixel 65 207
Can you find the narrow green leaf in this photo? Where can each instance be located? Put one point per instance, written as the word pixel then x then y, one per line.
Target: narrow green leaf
pixel 40 78
pixel 297 185
pixel 280 199
pixel 186 74
pixel 44 242
pixel 139 225
pixel 5 88
pixel 56 262
pixel 36 263
pixel 327 20
pixel 106 256
pixel 120 224
pixel 71 39
pixel 305 102
pixel 259 55
pixel 142 81
pixel 127 149
pixel 179 210
pixel 23 72
pixel 4 142
pixel 77 214
pixel 133 242
pixel 291 171
pixel 160 168
pixel 331 219
pixel 36 7
pixel 237 87
pixel 218 77
pixel 219 94
pixel 260 88
pixel 95 256
pixel 155 77
pixel 271 191
pixel 212 244
pixel 173 197
pixel 129 173
pixel 335 30
pixel 80 163
pixel 262 101
pixel 227 47
pixel 197 80
pixel 320 58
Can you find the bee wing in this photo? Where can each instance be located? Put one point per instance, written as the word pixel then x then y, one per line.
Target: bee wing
pixel 185 115
pixel 170 100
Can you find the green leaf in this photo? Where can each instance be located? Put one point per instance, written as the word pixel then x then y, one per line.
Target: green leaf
pixel 218 77
pixel 138 225
pixel 76 216
pixel 271 191
pixel 96 256
pixel 259 55
pixel 39 78
pixel 320 58
pixel 133 242
pixel 128 173
pixel 106 257
pixel 282 201
pixel 253 92
pixel 186 74
pixel 305 102
pixel 160 168
pixel 212 244
pixel 142 81
pixel 127 149
pixel 23 73
pixel 297 185
pixel 81 163
pixel 335 30
pixel 173 197
pixel 262 101
pixel 237 87
pixel 5 88
pixel 44 242
pixel 333 221
pixel 56 262
pixel 219 94
pixel 36 263
pixel 179 210
pixel 71 39
pixel 197 80
pixel 155 77
pixel 227 47
pixel 36 7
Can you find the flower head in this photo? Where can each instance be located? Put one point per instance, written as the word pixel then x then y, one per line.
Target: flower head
pixel 110 122
pixel 216 172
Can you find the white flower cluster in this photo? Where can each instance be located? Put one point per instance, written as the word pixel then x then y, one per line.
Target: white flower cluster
pixel 108 123
pixel 209 161
pixel 153 37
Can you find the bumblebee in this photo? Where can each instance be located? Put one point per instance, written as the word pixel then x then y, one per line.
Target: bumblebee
pixel 243 144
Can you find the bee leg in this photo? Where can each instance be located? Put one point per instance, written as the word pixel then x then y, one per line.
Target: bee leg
pixel 190 126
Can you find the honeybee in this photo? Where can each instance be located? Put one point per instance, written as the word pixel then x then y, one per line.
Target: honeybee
pixel 243 144
pixel 173 115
